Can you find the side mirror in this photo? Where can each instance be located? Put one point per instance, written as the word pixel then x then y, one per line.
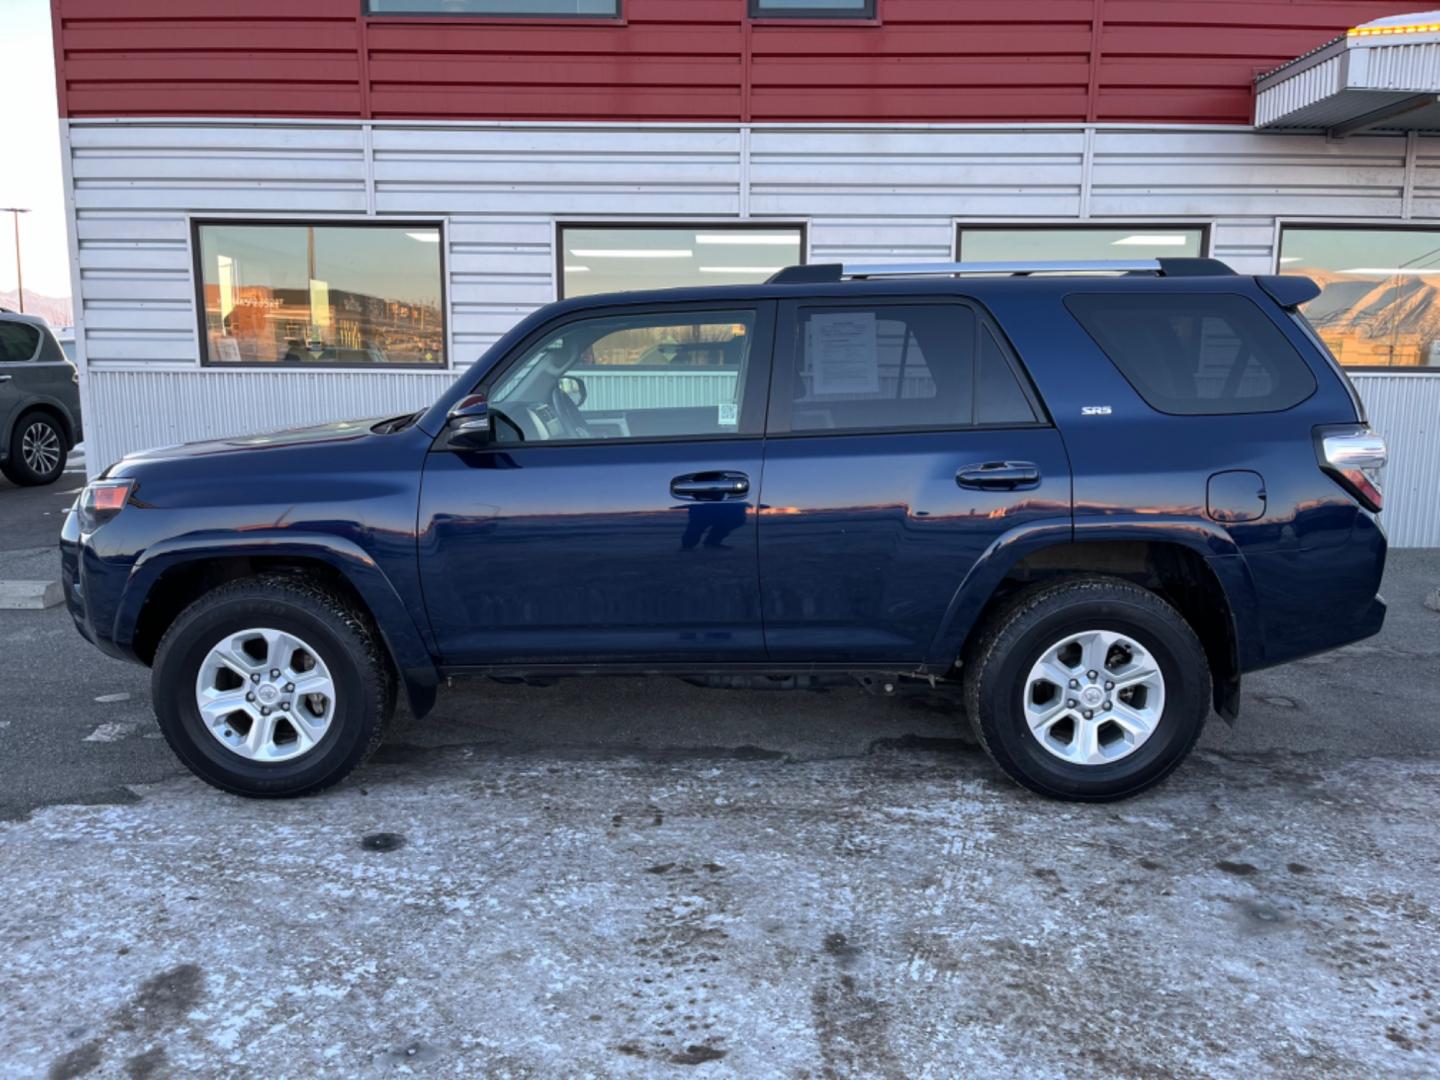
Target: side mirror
pixel 470 425
pixel 573 387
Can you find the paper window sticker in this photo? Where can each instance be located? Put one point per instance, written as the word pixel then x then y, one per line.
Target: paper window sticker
pixel 843 355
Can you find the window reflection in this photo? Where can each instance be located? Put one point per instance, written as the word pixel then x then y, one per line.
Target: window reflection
pixel 991 244
pixel 1379 287
pixel 497 7
pixel 322 294
pixel 603 259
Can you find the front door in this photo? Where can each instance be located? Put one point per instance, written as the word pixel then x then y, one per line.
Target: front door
pixel 612 519
pixel 904 440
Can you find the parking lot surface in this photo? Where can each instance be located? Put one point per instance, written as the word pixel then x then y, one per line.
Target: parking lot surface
pixel 646 878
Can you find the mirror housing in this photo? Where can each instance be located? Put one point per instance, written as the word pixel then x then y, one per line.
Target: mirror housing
pixel 470 425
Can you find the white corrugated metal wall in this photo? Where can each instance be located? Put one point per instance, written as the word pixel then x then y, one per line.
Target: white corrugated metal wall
pixel 867 192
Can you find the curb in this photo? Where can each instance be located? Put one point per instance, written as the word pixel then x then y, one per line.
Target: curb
pixel 29 595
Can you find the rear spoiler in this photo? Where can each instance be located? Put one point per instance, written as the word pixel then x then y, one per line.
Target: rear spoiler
pixel 1288 290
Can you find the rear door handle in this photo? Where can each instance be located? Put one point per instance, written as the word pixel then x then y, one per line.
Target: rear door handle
pixel 999 476
pixel 6 378
pixel 710 486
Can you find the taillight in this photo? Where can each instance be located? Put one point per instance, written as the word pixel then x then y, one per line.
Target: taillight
pixel 1354 455
pixel 101 501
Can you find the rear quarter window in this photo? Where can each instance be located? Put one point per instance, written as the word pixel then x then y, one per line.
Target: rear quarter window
pixel 18 342
pixel 1196 354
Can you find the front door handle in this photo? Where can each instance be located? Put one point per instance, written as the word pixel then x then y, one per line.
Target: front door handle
pixel 6 378
pixel 710 486
pixel 999 476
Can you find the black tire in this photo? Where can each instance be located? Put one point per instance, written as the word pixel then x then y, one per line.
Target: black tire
pixel 38 425
pixel 342 637
pixel 996 671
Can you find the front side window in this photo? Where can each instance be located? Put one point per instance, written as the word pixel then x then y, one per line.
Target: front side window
pixel 652 376
pixel 596 8
pixel 321 294
pixel 986 243
pixel 1198 354
pixel 896 367
pixel 18 342
pixel 1377 306
pixel 860 9
pixel 616 258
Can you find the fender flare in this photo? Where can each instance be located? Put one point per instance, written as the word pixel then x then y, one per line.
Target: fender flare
pixel 401 637
pixel 1206 538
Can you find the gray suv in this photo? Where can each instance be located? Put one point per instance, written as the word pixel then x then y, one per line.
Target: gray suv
pixel 39 401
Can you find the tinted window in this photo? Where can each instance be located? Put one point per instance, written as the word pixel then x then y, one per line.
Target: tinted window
pixel 987 243
pixel 631 377
pixel 18 342
pixel 998 397
pixel 1197 353
pixel 899 366
pixel 322 294
pixel 826 8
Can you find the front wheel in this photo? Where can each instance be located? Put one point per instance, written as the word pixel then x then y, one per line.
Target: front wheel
pixel 1088 689
pixel 272 687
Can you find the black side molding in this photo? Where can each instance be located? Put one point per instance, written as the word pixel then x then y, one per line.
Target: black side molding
pixel 1288 290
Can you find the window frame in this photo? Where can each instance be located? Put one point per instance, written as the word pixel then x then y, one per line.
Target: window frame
pixel 197 273
pixel 1206 226
pixel 785 354
pixel 617 19
pixel 870 13
pixel 1350 225
pixel 726 225
pixel 753 405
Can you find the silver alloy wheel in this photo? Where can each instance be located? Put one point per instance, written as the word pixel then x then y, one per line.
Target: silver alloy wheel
pixel 265 695
pixel 40 446
pixel 1094 697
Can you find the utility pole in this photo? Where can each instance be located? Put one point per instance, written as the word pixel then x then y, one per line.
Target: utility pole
pixel 15 212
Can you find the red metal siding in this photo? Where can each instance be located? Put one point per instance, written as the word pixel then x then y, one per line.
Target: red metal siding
pixel 1156 61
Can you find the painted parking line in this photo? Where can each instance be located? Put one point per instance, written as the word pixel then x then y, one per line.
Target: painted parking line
pixel 111 732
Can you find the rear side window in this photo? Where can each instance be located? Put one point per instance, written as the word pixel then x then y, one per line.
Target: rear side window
pixel 1196 354
pixel 18 342
pixel 900 366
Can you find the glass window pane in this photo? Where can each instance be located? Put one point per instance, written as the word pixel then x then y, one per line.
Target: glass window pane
pixel 812 7
pixel 610 8
pixel 1079 242
pixel 18 342
pixel 322 294
pixel 999 399
pixel 1197 354
pixel 615 259
pixel 884 367
pixel 1376 306
pixel 631 377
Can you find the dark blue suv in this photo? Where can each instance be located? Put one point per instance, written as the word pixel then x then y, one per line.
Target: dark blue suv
pixel 1085 497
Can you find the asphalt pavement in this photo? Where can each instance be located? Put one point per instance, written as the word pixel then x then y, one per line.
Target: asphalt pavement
pixel 626 877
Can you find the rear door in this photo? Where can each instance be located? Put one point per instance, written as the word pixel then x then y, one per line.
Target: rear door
pixel 903 440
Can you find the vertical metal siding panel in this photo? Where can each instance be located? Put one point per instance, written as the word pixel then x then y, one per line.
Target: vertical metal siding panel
pixel 134 410
pixel 1406 410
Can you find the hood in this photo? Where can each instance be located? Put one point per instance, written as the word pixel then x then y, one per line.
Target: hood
pixel 338 432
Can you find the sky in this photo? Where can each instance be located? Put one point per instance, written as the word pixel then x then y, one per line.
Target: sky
pixel 30 164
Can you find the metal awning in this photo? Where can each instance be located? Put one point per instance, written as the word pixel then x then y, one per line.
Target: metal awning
pixel 1383 75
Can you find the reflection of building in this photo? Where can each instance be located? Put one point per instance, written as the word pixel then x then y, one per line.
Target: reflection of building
pixel 687 143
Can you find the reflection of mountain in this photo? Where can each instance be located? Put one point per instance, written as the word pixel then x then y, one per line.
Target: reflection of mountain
pixel 1376 319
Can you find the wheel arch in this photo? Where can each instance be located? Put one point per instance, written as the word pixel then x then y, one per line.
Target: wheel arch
pixel 1197 569
pixel 50 408
pixel 172 575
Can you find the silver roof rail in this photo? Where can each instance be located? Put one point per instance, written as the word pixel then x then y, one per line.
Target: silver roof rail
pixel 1079 266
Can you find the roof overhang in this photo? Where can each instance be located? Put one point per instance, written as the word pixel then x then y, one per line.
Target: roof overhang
pixel 1381 76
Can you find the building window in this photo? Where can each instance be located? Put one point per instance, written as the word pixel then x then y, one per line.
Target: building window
pixel 599 9
pixel 282 293
pixel 616 258
pixel 1044 243
pixel 1379 304
pixel 811 9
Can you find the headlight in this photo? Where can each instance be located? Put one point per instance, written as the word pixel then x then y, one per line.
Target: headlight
pixel 102 500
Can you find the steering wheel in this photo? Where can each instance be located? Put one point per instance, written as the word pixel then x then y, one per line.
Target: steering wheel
pixel 570 414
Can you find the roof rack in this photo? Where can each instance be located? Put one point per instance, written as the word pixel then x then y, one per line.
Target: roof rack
pixel 817 273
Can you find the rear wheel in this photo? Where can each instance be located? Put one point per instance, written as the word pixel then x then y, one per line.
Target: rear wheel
pixel 1088 688
pixel 37 450
pixel 272 687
